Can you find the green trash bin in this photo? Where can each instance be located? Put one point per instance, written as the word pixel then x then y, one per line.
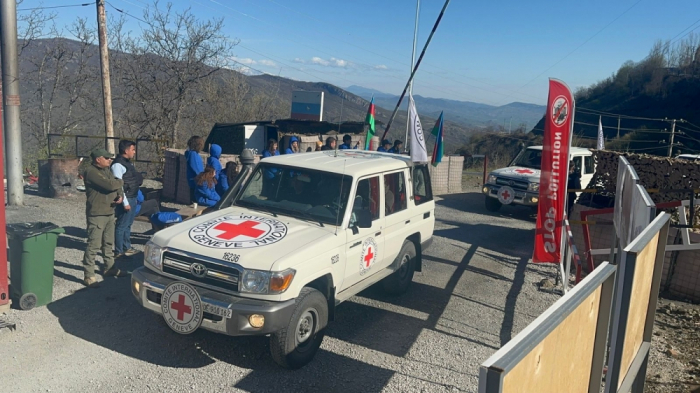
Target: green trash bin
pixel 32 247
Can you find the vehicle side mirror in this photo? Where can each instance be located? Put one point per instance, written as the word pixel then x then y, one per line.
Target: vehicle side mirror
pixel 364 218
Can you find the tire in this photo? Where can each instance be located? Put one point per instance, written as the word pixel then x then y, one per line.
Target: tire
pixel 311 315
pixel 492 204
pixel 27 301
pixel 399 281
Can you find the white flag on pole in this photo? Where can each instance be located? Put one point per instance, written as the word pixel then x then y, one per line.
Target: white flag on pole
pixel 601 138
pixel 418 150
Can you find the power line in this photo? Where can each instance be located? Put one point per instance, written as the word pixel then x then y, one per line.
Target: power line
pixel 676 36
pixel 609 114
pixel 648 130
pixel 55 6
pixel 128 14
pixel 581 45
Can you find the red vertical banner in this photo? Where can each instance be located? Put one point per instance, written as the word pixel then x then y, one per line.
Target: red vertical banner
pixel 554 175
pixel 4 294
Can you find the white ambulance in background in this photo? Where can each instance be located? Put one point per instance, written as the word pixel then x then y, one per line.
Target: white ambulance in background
pixel 519 182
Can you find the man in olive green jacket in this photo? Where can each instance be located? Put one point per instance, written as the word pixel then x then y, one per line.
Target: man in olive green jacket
pixel 103 192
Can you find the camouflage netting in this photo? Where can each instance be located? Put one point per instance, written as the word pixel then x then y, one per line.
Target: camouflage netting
pixel 654 173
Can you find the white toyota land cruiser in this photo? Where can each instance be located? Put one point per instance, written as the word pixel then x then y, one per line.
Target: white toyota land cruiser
pixel 305 233
pixel 519 182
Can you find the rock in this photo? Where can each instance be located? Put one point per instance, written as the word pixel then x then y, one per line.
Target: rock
pixel 673 353
pixel 546 284
pixel 657 333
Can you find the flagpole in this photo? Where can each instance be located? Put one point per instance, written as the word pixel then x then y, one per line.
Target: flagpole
pixel 415 68
pixel 413 61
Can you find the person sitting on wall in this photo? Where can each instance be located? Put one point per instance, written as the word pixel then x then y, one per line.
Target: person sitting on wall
pixel 330 143
pixel 293 146
pixel 195 164
pixel 397 147
pixel 205 193
pixel 386 145
pixel 347 143
pixel 221 177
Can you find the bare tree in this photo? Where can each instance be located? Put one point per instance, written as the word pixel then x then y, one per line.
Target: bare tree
pixel 59 78
pixel 174 52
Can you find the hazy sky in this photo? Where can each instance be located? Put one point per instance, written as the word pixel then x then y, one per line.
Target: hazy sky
pixel 493 52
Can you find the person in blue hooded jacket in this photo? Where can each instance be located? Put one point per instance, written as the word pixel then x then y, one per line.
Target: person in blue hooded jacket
pixel 293 146
pixel 195 164
pixel 205 193
pixel 213 161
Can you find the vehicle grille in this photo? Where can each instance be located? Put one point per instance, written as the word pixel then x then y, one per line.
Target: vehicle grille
pixel 515 184
pixel 218 275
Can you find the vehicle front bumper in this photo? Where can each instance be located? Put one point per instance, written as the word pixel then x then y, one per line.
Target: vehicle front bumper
pixel 148 286
pixel 525 198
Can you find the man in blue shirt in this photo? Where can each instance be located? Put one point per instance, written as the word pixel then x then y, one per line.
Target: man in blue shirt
pixel 347 143
pixel 397 147
pixel 386 145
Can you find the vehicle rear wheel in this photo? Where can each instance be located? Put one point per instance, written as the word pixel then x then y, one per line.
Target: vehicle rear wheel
pixel 492 204
pixel 399 281
pixel 296 345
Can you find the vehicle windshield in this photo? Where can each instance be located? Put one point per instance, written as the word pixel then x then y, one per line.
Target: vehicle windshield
pixel 528 158
pixel 301 193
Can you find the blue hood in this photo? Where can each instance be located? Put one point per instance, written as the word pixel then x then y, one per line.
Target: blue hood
pixel 215 150
pixel 293 139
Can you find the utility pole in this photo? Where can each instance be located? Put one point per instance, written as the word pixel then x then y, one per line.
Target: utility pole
pixel 618 127
pixel 510 124
pixel 10 84
pixel 104 63
pixel 673 134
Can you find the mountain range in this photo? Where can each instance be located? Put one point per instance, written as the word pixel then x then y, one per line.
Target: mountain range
pixel 465 113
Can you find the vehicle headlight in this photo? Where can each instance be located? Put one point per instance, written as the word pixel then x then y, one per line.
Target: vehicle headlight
pixel 152 255
pixel 492 179
pixel 533 186
pixel 263 282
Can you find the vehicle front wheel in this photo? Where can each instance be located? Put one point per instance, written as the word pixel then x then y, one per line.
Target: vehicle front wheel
pixel 296 345
pixel 399 281
pixel 492 204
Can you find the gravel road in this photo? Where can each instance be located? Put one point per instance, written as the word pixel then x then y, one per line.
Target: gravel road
pixel 476 291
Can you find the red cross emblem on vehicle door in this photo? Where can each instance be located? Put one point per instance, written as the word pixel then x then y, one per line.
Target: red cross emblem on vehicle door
pixel 181 307
pixel 232 231
pixel 368 257
pixel 524 171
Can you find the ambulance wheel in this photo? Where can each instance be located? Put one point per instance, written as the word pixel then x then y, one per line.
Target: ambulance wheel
pixel 398 282
pixel 296 345
pixel 492 204
pixel 27 301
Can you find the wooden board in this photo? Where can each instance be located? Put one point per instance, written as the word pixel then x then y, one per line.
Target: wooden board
pixel 562 361
pixel 639 304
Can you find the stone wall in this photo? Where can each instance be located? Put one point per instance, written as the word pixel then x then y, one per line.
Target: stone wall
pixel 654 173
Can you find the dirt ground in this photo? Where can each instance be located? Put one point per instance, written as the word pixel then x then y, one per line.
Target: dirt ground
pixel 674 363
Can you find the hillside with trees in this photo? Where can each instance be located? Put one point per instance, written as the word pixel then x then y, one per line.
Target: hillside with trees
pixel 643 97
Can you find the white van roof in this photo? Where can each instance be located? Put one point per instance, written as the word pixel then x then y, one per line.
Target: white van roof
pixel 581 151
pixel 350 162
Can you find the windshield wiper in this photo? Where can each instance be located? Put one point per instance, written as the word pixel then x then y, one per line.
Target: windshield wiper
pixel 261 208
pixel 307 215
